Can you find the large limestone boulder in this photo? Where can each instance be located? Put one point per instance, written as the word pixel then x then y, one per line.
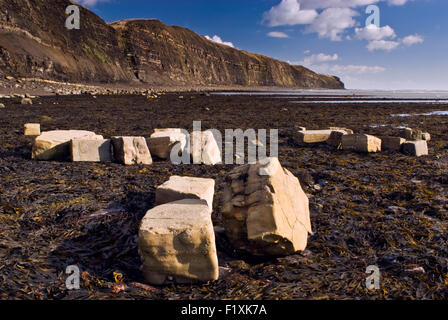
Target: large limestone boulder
pixel 87 150
pixel 177 243
pixel 162 141
pixel 131 150
pixel 265 210
pixel 204 148
pixel 32 129
pixel 361 143
pixel 416 148
pixel 55 145
pixel 179 188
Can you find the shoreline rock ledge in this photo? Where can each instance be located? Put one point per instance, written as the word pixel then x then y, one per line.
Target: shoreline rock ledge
pixel 265 211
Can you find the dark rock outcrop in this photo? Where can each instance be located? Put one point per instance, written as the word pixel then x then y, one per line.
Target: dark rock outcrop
pixel 35 43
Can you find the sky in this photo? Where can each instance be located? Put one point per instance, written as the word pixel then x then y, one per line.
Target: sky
pixel 406 48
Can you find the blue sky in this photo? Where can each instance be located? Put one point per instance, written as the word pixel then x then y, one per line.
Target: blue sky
pixel 408 50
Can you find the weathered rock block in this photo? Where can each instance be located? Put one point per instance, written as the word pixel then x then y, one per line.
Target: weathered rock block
pixel 55 145
pixel 162 142
pixel 335 139
pixel 313 136
pixel 392 143
pixel 179 188
pixel 131 150
pixel 177 243
pixel 361 143
pixel 86 150
pixel 414 135
pixel 204 148
pixel 32 129
pixel 416 148
pixel 265 210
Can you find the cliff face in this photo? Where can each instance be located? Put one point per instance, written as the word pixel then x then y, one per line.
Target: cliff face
pixel 35 43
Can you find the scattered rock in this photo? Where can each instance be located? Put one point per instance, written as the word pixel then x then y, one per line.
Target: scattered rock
pixel 416 148
pixel 131 150
pixel 26 101
pixel 180 188
pixel 177 243
pixel 361 143
pixel 86 150
pixel 204 148
pixel 335 139
pixel 265 210
pixel 313 136
pixel 162 141
pixel 55 145
pixel 32 129
pixel 2 106
pixel 392 143
pixel 426 136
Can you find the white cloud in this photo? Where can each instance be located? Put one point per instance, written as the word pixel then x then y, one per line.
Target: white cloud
pixel 277 34
pixel 218 39
pixel 288 12
pixel 320 57
pixel 90 2
pixel 412 39
pixel 372 32
pixel 332 22
pixel 383 45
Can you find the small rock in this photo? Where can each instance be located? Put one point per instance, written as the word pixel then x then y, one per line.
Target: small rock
pixel 180 188
pixel 392 143
pixel 26 101
pixel 55 145
pixel 416 148
pixel 131 150
pixel 361 143
pixel 32 129
pixel 86 150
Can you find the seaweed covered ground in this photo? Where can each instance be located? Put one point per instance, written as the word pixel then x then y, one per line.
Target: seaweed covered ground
pixel 384 209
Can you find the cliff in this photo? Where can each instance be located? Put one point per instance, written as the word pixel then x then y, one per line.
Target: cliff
pixel 35 43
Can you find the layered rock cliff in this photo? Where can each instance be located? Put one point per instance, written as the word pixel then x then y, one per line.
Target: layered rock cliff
pixel 35 43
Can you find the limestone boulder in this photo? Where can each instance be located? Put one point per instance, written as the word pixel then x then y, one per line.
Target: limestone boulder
pixel 55 145
pixel 392 143
pixel 312 136
pixel 32 129
pixel 179 188
pixel 162 141
pixel 87 150
pixel 265 210
pixel 204 148
pixel 131 150
pixel 416 148
pixel 176 243
pixel 335 139
pixel 361 143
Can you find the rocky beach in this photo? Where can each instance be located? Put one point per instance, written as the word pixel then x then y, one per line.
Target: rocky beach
pixel 386 209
